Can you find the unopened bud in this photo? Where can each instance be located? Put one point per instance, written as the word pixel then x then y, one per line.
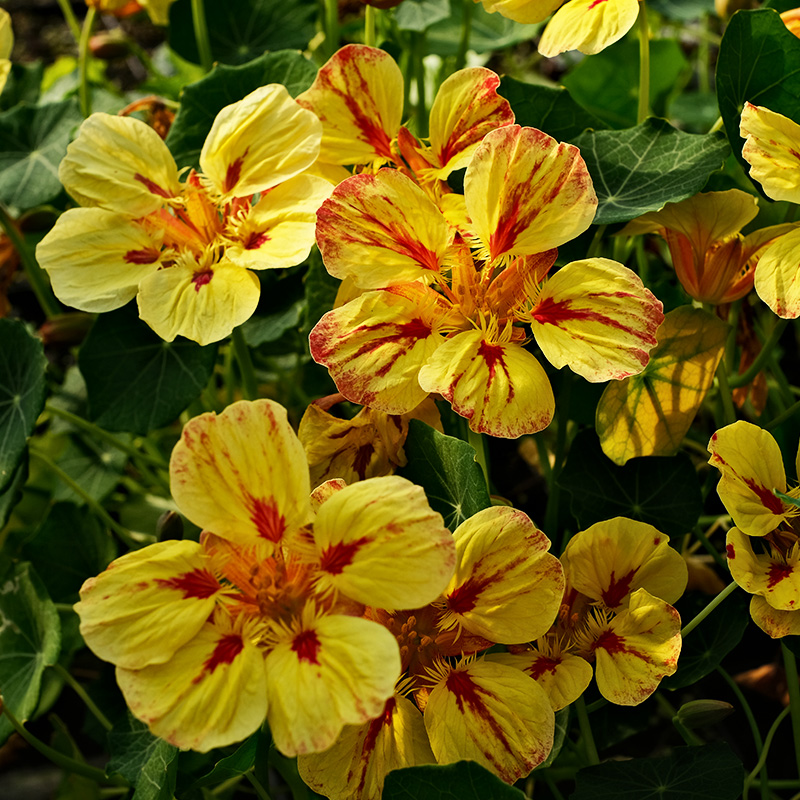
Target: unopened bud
pixel 169 526
pixel 700 713
pixel 109 45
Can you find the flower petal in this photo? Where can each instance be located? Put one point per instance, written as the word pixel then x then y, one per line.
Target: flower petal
pixel 751 465
pixel 242 474
pixel 499 387
pixel 375 530
pixel 773 622
pixel 493 714
pixel 777 278
pixel 597 317
pixel 121 164
pixel 523 11
pixel 507 587
pixel 336 671
pixel 96 259
pixel 588 25
pixel 358 95
pixel 258 142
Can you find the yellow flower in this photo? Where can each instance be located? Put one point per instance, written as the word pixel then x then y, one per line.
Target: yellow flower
pixel 185 249
pixel 262 618
pixel 6 46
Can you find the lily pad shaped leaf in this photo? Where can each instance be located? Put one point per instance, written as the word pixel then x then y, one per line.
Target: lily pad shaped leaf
pixel 640 169
pixel 649 414
pixel 22 393
pixel 30 641
pixel 465 780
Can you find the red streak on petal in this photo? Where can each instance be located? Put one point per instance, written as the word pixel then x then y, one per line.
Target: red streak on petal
pixel 767 498
pixel 493 355
pixel 306 645
pixel 729 551
pixel 777 573
pixel 151 186
pixel 265 516
pixel 596 3
pixel 148 255
pixel 464 598
pixel 202 278
pixel 618 590
pixel 551 312
pixel 198 583
pixel 611 642
pixel 362 459
pixel 336 557
pixel 371 740
pixel 255 240
pixel 542 665
pixel 228 647
pixel 233 173
pixel 502 238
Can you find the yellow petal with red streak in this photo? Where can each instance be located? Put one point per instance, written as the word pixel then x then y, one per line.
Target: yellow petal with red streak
pixel 355 766
pixel 335 671
pixel 499 387
pixel 279 230
pixel 242 474
pixel 777 279
pixel 258 142
pixel 96 259
pixel 358 95
pixel 751 465
pixel 507 587
pixel 121 164
pixel 371 532
pixel 493 714
pixel 374 346
pixel 212 693
pixel 613 558
pixel 597 317
pixel 527 193
pixel 465 109
pixel 771 149
pixel 588 25
pixel 525 11
pixel 637 649
pixel 773 622
pixel 382 230
pixel 202 303
pixel 148 603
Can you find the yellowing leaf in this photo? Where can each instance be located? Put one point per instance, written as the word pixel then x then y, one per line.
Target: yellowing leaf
pixel 648 414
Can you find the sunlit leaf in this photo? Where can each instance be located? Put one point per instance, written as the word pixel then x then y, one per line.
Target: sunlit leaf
pixel 649 414
pixel 464 780
pixel 95 467
pixel 419 15
pixel 239 762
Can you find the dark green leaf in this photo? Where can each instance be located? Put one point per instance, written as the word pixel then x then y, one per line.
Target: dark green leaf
pixel 135 381
pixel 202 101
pixel 69 547
pixel 260 329
pixel 684 10
pixel 238 34
pixel 320 289
pixel 23 84
pixel 606 84
pixel 661 491
pixel 448 472
pixel 710 772
pixel 12 494
pixel 562 726
pixel 464 780
pixel 781 5
pixel 22 393
pixel 551 110
pixel 758 62
pixel 235 764
pixel 95 467
pixel 30 638
pixel 640 169
pixel 143 759
pixel 33 140
pixel 419 15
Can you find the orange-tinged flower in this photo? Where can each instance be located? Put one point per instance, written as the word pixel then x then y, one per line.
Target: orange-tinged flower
pixel 506 588
pixel 714 262
pixel 447 311
pixel 185 249
pixel 791 19
pixel 157 10
pixel 262 617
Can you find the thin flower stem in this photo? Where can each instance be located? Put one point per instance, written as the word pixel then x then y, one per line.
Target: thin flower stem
pixel 728 412
pixel 644 64
pixel 58 758
pixel 245 362
pixel 419 75
pixel 586 732
pixel 261 792
pixel 764 751
pixel 709 548
pixel 730 344
pixel 201 35
pixel 65 608
pixel 781 418
pixel 790 665
pixel 478 443
pixel 597 243
pixel 36 276
pixel 369 26
pixel 551 785
pixel 70 19
pixel 692 624
pixel 717 126
pixel 81 692
pixel 466 32
pixel 84 94
pixel 748 712
pixel 331 27
pixel 762 358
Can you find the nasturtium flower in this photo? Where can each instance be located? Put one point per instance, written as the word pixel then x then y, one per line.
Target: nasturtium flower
pixel 713 260
pixel 451 703
pixel 185 249
pixel 449 312
pixel 157 10
pixel 764 548
pixel 622 577
pixel 358 96
pixel 263 618
pixel 6 46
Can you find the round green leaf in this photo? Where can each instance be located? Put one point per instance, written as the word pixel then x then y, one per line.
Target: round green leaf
pixel 464 780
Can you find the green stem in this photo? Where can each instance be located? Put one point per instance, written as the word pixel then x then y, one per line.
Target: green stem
pixel 58 758
pixel 692 624
pixel 781 418
pixel 98 510
pixel 728 412
pixel 597 242
pixel 70 19
pixel 748 712
pixel 717 126
pixel 586 732
pixel 243 358
pixel 201 35
pixel 331 27
pixel 81 692
pixel 790 665
pixel 551 785
pixel 466 32
pixel 261 792
pixel 764 750
pixel 762 358
pixel 644 64
pixel 369 26
pixel 730 344
pixel 36 276
pixel 83 61
pixel 478 443
pixel 709 548
pixel 688 736
pixel 419 75
pixel 65 608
